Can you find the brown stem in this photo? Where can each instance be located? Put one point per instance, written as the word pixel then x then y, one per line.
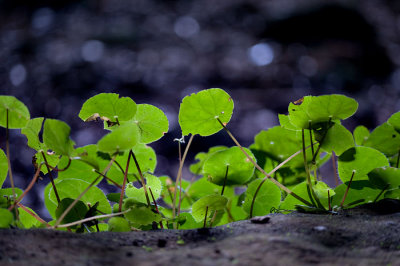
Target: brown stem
pixel 109 179
pixel 51 177
pixel 380 193
pixel 31 184
pixel 329 201
pixel 121 197
pixel 155 204
pixel 347 189
pixel 254 197
pixel 205 218
pixel 63 169
pixel 141 177
pixel 226 177
pixel 213 218
pixel 276 182
pixel 33 215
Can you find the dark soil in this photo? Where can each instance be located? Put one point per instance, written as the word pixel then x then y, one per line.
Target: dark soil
pixel 357 237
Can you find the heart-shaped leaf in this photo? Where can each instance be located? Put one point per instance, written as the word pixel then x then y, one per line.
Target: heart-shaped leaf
pixel 360 134
pixel 385 139
pixel 201 157
pixel 268 197
pixel 210 204
pixel 199 112
pixel 31 131
pixel 338 139
pixel 56 137
pixel 124 138
pixel 152 182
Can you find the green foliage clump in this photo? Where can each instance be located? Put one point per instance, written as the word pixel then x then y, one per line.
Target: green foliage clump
pixel 279 172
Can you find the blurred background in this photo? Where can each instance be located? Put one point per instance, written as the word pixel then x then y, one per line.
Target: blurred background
pixel 56 54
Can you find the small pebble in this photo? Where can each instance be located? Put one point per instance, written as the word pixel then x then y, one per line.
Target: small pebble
pixel 260 219
pixel 319 228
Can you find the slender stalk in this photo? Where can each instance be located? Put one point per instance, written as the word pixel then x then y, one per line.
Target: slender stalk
pixel 179 176
pixel 213 218
pixel 284 188
pixel 67 210
pixel 9 161
pixel 90 219
pixel 121 197
pixel 226 177
pixel 335 169
pixel 109 179
pixel 347 189
pixel 51 177
pixel 33 215
pixel 329 201
pixel 31 184
pixel 205 218
pixel 62 169
pixel 180 179
pixel 141 177
pixel 311 138
pixel 380 193
pixel 155 204
pixel 254 197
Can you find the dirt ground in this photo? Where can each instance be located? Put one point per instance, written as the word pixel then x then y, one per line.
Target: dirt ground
pixel 356 237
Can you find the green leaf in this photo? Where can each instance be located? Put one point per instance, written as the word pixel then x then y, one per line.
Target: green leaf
pixel 52 159
pixel 31 131
pixel 321 190
pixel 189 221
pixel 77 170
pixel 337 139
pixel 394 121
pixel 284 121
pixel 213 202
pixel 385 177
pixel 108 107
pixel 152 182
pixel 268 197
pixel 6 218
pixel 140 214
pixel 125 137
pixel 290 202
pixel 361 134
pixel 27 220
pixel 146 158
pixel 8 192
pixel 199 112
pixel 385 139
pixel 168 192
pixel 72 188
pixel 201 157
pixel 317 109
pixel 152 122
pixel 56 137
pixel 118 224
pixel 359 190
pixel 3 167
pixel 360 159
pixel 18 113
pixel 240 169
pixel 77 212
pixel 202 187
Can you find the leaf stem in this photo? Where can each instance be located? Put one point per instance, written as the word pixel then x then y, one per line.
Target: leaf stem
pixel 121 196
pixel 9 161
pixel 51 177
pixel 380 193
pixel 205 218
pixel 33 215
pixel 347 189
pixel 226 177
pixel 63 169
pixel 178 177
pixel 141 177
pixel 109 179
pixel 276 182
pixel 90 219
pixel 155 204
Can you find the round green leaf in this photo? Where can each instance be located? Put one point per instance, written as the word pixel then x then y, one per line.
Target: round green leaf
pixel 199 112
pixel 202 187
pixel 77 170
pixel 125 137
pixel 3 167
pixel 31 131
pixel 290 202
pixel 213 202
pixel 394 121
pixel 77 212
pixel 240 169
pixel 152 182
pixel 152 122
pixel 360 134
pixel 118 224
pixel 361 191
pixel 27 220
pixel 284 121
pixel 316 109
pixel 56 137
pixel 189 221
pixel 321 190
pixel 72 188
pixel 52 159
pixel 18 113
pixel 268 197
pixel 108 107
pixel 201 157
pixel 140 214
pixel 385 177
pixel 361 160
pixel 6 218
pixel 385 139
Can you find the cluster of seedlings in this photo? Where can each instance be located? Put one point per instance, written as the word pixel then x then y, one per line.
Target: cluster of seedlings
pixel 279 172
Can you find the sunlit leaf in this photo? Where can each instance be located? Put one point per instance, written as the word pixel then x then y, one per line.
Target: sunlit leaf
pixel 108 107
pixel 360 191
pixel 394 121
pixel 6 218
pixel 338 139
pixel 290 202
pixel 201 157
pixel 360 134
pixel 31 131
pixel 125 137
pixel 152 182
pixel 385 139
pixel 27 220
pixel 202 187
pixel 268 197
pixel 3 167
pixel 140 214
pixel 118 224
pixel 199 112
pixel 18 113
pixel 385 177
pixel 361 160
pixel 210 204
pixel 168 188
pixel 240 169
pixel 56 137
